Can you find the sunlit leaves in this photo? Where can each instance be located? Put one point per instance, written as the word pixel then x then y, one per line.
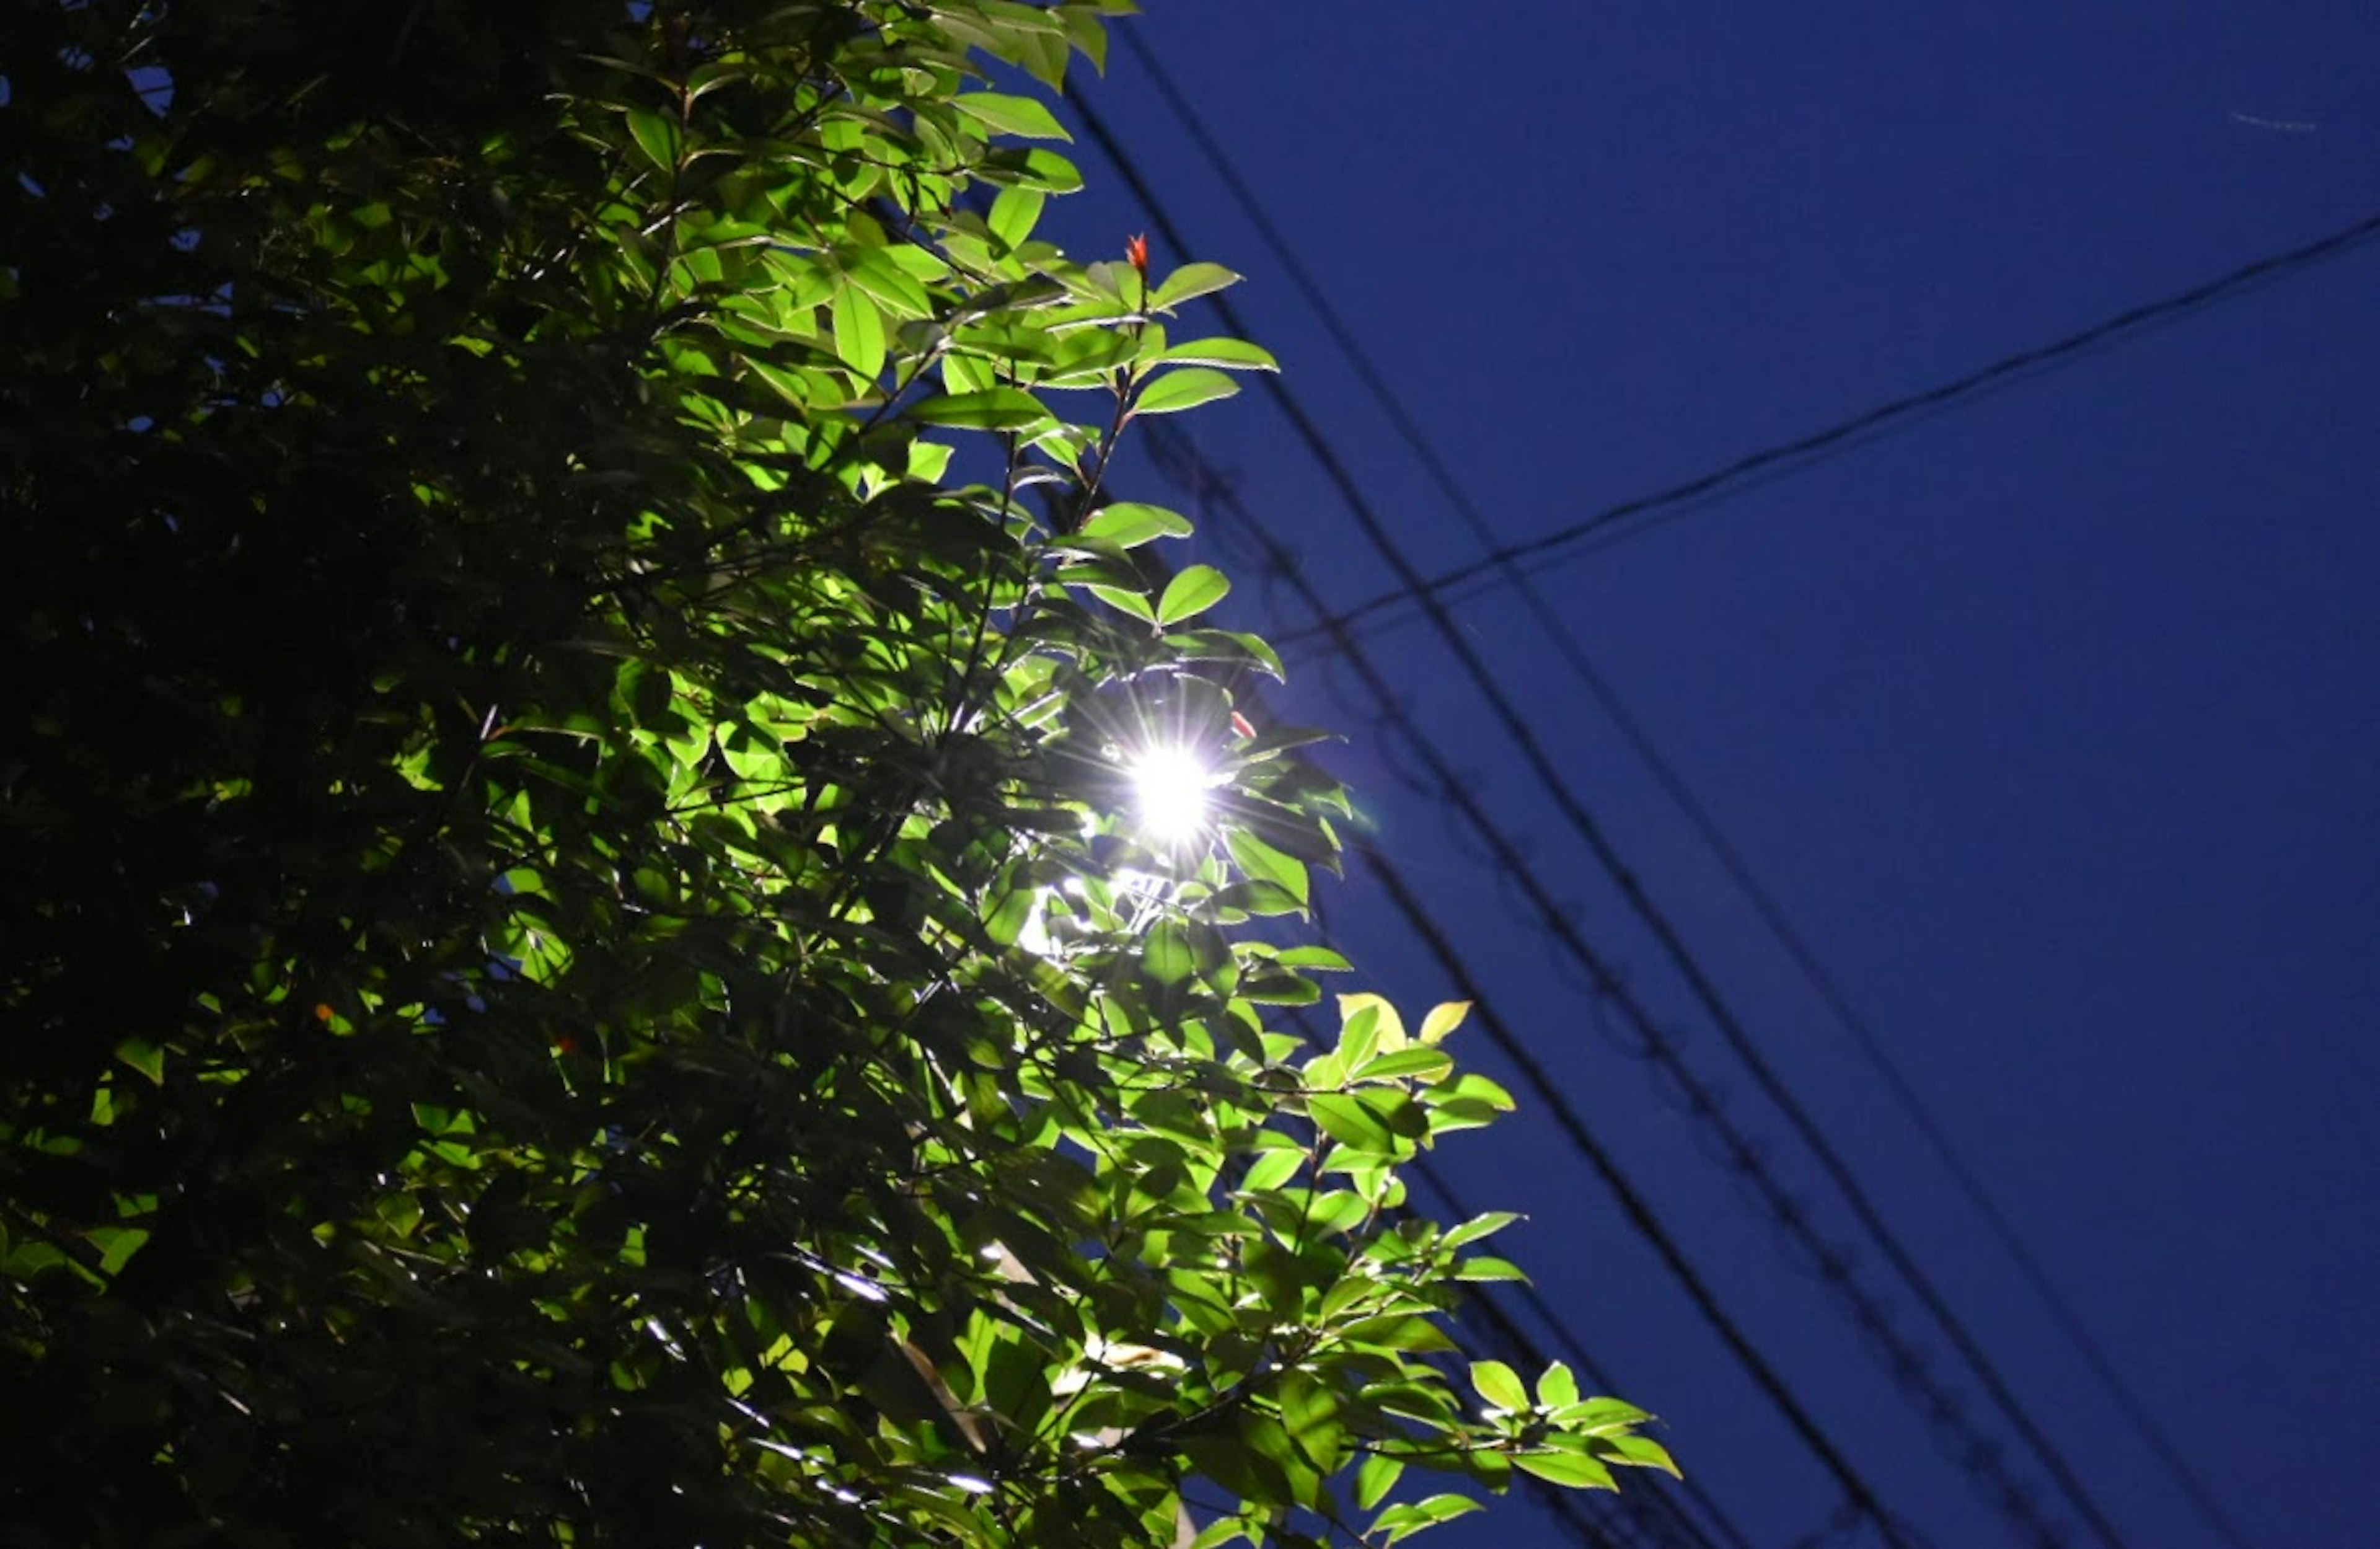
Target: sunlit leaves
pixel 676 975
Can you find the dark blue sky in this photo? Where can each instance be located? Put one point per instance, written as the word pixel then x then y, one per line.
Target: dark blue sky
pixel 2050 719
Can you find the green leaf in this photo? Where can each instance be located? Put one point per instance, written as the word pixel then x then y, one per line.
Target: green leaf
pixel 1485 1225
pixel 1349 1122
pixel 994 409
pixel 1412 1061
pixel 1264 863
pixel 1601 1416
pixel 1392 1027
pixel 116 1245
pixel 1229 354
pixel 1272 1169
pixel 1558 1387
pixel 1639 1451
pixel 1124 600
pixel 1576 1471
pixel 1268 987
pixel 657 135
pixel 1190 281
pixel 892 287
pixel 1026 117
pixel 1501 1385
pixel 859 333
pixel 1191 592
pixel 1184 388
pixel 1376 1479
pixel 1128 524
pixel 1014 215
pixel 1443 1019
pixel 1167 953
pixel 1399 1522
pixel 1486 1268
pixel 144 1057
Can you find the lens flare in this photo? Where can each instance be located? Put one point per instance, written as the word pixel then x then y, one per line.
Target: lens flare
pixel 1170 794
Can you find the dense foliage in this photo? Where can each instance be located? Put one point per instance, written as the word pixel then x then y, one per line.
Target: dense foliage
pixel 582 964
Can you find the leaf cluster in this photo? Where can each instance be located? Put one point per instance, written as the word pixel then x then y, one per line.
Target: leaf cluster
pixel 579 963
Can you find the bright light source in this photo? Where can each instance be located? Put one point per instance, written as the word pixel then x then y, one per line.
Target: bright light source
pixel 1170 794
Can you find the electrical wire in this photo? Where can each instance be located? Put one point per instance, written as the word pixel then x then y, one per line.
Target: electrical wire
pixel 1672 784
pixel 1514 866
pixel 1633 1204
pixel 1518 1342
pixel 1838 437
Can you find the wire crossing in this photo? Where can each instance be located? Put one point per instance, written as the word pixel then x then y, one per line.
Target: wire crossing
pixel 1980 1457
pixel 1836 438
pixel 1731 862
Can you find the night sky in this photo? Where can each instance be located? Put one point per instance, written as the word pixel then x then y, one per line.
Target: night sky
pixel 2047 719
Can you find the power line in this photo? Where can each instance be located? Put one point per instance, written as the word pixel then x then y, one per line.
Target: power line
pixel 1509 1329
pixel 1634 1203
pixel 1859 1497
pixel 1518 1340
pixel 1840 436
pixel 1981 1459
pixel 1639 1211
pixel 1672 784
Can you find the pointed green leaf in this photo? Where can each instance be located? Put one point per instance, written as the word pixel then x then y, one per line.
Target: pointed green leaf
pixel 1485 1225
pixel 1229 354
pixel 859 332
pixel 1260 861
pixel 1641 1452
pixel 1392 1028
pixel 993 408
pixel 1558 1387
pixel 1485 1268
pixel 1127 601
pixel 1601 1416
pixel 1026 117
pixel 1014 215
pixel 1166 954
pixel 657 135
pixel 1186 388
pixel 1501 1385
pixel 1427 1065
pixel 1574 1469
pixel 1376 1479
pixel 1191 280
pixel 875 271
pixel 1272 1169
pixel 1349 1123
pixel 1399 1522
pixel 145 1058
pixel 1190 594
pixel 1443 1019
pixel 1128 524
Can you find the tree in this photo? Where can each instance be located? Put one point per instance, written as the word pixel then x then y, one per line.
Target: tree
pixel 583 961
